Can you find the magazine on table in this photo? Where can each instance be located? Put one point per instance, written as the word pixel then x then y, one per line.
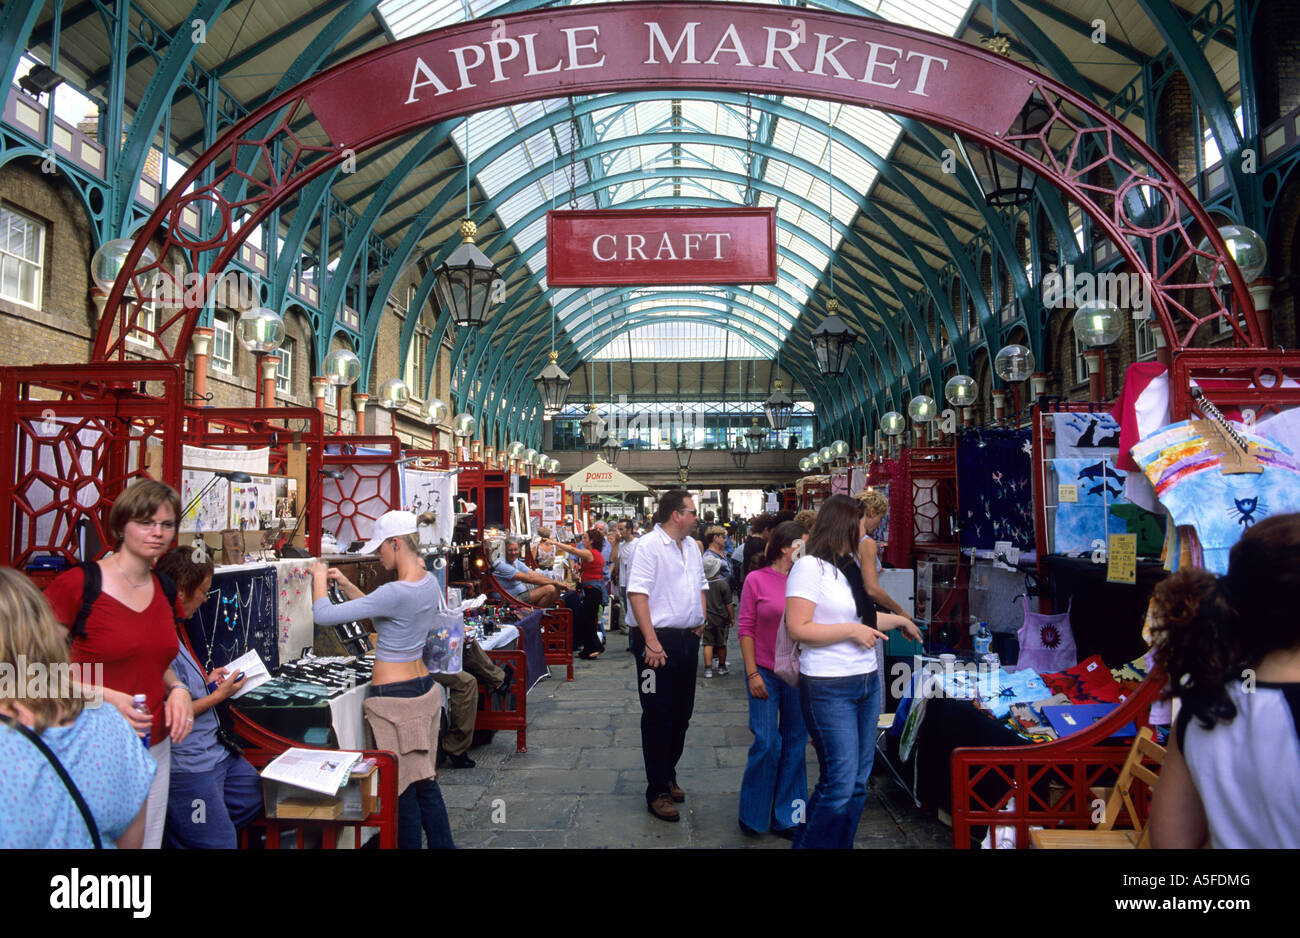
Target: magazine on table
pixel 322 770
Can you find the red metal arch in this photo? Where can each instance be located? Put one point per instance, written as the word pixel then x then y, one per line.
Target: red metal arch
pixel 592 49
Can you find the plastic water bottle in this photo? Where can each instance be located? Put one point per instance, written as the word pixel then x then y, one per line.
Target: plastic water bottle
pixel 139 705
pixel 983 639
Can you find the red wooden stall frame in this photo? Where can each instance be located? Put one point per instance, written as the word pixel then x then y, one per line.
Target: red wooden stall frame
pixel 105 398
pixel 210 427
pixel 347 456
pixel 494 712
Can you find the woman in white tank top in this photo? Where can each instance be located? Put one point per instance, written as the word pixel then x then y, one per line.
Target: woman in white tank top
pixel 1231 646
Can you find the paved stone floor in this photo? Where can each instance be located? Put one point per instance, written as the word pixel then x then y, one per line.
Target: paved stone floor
pixel 582 782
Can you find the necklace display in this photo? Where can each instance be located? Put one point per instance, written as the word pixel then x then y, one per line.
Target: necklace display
pixel 135 586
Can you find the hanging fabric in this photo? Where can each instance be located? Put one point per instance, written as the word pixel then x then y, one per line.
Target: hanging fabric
pixel 994 490
pixel 1046 641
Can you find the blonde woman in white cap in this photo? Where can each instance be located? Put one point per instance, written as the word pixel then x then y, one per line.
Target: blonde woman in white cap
pixel 401 612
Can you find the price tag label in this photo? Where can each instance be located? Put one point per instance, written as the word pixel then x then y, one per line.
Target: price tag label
pixel 1122 565
pixel 1067 493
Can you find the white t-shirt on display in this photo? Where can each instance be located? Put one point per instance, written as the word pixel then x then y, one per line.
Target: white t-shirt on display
pixel 821 583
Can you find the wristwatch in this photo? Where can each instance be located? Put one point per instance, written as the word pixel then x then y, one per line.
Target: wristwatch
pixel 181 685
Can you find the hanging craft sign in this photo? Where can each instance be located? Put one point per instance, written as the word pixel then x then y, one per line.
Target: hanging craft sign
pixel 646 246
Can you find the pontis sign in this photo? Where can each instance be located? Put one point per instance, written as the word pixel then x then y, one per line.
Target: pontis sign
pixel 596 475
pixel 630 247
pixel 630 46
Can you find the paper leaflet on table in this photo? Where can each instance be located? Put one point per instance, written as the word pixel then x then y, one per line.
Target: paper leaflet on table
pixel 322 770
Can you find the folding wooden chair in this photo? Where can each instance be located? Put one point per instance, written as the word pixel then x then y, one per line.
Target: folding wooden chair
pixel 1117 798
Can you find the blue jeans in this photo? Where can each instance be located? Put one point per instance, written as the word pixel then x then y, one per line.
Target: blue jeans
pixel 230 797
pixel 841 714
pixel 775 784
pixel 420 809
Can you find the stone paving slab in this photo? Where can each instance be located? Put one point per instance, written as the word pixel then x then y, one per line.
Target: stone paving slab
pixel 582 781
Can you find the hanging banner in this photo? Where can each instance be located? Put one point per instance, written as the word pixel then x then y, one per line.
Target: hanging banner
pixel 583 49
pixel 638 247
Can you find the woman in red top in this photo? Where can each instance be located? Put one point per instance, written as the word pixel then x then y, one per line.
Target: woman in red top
pixel 590 576
pixel 131 631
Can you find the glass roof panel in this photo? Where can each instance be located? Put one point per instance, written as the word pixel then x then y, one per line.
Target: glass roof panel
pixel 677 341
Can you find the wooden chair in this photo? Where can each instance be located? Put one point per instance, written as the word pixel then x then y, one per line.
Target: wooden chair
pixel 1117 798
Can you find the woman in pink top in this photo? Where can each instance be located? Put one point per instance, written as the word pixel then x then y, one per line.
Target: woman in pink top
pixel 774 791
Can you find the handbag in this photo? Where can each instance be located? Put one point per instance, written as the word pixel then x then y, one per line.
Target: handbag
pixel 785 658
pixel 63 776
pixel 444 646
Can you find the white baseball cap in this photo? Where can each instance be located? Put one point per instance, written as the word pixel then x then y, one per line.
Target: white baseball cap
pixel 389 524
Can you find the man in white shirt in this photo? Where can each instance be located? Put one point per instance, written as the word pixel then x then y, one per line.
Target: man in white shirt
pixel 620 563
pixel 666 592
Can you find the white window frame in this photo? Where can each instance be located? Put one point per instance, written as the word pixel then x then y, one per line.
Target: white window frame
pixel 1080 363
pixel 223 325
pixel 146 318
pixel 412 374
pixel 284 367
pixel 6 258
pixel 1144 339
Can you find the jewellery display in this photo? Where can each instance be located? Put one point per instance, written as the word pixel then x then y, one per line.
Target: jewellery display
pixel 239 614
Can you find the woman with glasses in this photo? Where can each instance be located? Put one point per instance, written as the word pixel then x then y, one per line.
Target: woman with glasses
pixel 130 630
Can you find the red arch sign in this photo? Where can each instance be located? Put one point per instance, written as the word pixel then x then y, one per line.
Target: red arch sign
pixel 643 46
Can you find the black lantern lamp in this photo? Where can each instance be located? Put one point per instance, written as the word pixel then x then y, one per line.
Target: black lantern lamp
pixel 831 341
pixel 755 434
pixel 39 80
pixel 1002 180
pixel 779 407
pixel 468 283
pixel 609 450
pixel 739 453
pixel 593 428
pixel 552 386
pixel 684 452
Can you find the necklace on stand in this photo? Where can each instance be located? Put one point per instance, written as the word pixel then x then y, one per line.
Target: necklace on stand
pixel 135 586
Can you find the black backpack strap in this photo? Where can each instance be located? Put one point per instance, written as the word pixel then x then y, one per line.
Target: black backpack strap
pixel 168 587
pixel 63 775
pixel 90 590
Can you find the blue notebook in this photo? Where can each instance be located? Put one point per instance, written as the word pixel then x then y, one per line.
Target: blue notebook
pixel 1070 718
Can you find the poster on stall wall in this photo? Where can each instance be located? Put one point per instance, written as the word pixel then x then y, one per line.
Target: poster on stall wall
pixel 252 461
pixel 212 511
pixel 253 504
pixel 550 502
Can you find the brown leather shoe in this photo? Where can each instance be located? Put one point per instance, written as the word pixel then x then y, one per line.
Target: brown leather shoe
pixel 675 790
pixel 664 809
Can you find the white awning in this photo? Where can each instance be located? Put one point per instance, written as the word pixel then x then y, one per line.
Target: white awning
pixel 600 476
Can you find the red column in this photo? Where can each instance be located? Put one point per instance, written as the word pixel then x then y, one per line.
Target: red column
pixel 318 385
pixel 268 365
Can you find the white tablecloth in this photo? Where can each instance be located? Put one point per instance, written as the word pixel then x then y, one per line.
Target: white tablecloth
pixel 500 639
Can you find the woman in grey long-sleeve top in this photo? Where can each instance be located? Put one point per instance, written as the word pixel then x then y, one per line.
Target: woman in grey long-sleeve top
pixel 402 612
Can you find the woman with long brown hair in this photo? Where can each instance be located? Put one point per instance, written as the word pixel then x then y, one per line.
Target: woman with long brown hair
pixel 1231 648
pixel 828 612
pixel 105 763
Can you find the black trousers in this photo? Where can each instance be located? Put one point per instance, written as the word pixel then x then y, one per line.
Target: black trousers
pixel 667 701
pixel 586 631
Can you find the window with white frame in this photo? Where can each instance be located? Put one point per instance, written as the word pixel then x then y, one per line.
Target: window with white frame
pixel 1144 339
pixel 146 322
pixel 223 342
pixel 284 367
pixel 1080 363
pixel 22 258
pixel 413 373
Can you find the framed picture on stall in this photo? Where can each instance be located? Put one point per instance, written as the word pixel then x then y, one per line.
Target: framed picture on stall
pixel 519 514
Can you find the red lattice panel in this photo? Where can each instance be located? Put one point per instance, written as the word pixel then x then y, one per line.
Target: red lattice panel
pixel 369 487
pixel 74 438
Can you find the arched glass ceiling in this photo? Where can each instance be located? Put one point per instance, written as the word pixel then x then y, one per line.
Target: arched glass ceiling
pixel 645 170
